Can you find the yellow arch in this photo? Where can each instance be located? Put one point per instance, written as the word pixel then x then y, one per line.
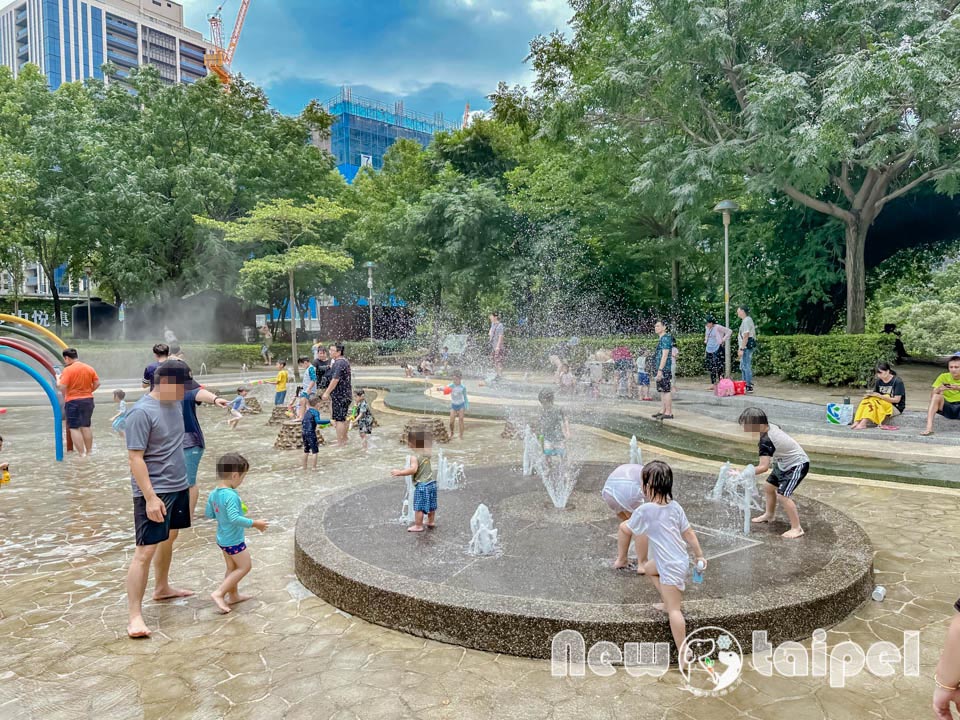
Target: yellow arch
pixel 33 326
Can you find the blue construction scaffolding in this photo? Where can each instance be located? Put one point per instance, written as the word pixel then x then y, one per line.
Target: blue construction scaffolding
pixel 364 129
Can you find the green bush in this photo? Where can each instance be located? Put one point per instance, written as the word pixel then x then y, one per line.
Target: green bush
pixel 929 327
pixel 823 359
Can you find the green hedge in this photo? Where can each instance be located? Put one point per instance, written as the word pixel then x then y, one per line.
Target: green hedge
pixel 823 359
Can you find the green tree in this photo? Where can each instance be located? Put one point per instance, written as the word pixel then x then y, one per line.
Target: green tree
pixel 842 106
pixel 177 151
pixel 59 144
pixel 286 231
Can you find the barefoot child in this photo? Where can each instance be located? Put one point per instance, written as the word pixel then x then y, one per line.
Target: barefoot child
pixel 236 407
pixel 459 404
pixel 362 417
pixel 309 390
pixel 225 505
pixel 119 421
pixel 662 533
pixel 424 486
pixel 308 432
pixel 780 453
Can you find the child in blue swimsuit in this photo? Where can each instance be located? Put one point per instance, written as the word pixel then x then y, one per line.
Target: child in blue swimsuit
pixel 459 403
pixel 225 505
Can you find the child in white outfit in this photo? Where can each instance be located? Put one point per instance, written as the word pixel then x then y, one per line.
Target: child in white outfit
pixel 662 532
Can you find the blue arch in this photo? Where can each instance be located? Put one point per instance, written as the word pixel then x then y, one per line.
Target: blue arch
pixel 51 394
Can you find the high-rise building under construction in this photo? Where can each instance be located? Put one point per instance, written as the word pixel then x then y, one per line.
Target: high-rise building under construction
pixel 363 129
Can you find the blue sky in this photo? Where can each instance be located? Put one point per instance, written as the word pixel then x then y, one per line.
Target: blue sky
pixel 435 55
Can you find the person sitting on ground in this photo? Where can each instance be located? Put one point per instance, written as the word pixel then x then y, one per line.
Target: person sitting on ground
pixel 789 464
pixel 661 533
pixel 887 400
pixel 407 370
pixel 945 399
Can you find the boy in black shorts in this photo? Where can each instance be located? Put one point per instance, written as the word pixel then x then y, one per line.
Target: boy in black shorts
pixel 783 455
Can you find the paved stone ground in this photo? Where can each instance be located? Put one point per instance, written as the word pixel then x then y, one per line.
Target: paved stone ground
pixel 66 536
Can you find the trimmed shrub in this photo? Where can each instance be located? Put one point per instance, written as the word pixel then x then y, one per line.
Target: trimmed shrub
pixel 824 359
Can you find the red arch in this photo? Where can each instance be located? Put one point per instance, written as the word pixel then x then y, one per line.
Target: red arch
pixel 28 350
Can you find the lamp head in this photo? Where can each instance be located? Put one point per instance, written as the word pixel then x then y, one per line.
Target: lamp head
pixel 726 206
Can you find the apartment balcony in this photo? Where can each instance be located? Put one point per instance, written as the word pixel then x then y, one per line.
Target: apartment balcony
pixel 121 42
pixel 21 16
pixel 121 28
pixel 23 51
pixel 124 60
pixel 22 34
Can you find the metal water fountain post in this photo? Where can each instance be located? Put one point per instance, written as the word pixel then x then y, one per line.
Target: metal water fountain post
pixel 407 513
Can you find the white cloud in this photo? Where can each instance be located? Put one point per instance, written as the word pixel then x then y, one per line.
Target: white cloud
pixel 463 43
pixel 555 11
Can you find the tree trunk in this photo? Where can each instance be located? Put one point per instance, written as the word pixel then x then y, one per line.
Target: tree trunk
pixel 675 281
pixel 57 308
pixel 292 304
pixel 855 266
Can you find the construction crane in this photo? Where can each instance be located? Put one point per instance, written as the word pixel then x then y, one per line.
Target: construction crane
pixel 219 59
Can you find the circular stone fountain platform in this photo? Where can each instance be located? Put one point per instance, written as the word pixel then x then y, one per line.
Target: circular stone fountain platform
pixel 554 571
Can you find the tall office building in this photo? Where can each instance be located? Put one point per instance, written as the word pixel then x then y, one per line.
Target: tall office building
pixel 363 130
pixel 72 39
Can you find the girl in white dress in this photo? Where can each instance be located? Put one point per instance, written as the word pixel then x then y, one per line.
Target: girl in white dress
pixel 662 533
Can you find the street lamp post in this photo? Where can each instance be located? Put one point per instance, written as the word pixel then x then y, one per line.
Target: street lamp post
pixel 726 207
pixel 88 271
pixel 370 266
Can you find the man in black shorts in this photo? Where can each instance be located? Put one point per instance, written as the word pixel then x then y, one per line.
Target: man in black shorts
pixel 161 492
pixel 339 392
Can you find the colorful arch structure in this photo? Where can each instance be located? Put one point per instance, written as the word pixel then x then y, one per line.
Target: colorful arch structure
pixel 29 351
pixel 33 326
pixel 51 391
pixel 45 339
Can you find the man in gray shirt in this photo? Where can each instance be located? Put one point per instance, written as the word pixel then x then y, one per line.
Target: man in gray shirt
pixel 747 341
pixel 161 495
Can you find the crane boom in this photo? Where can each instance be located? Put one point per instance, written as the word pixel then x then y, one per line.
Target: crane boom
pixel 218 60
pixel 237 28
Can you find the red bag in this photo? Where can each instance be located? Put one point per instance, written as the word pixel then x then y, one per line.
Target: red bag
pixel 739 387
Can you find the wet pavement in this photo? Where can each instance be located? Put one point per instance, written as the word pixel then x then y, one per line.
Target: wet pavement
pixel 66 537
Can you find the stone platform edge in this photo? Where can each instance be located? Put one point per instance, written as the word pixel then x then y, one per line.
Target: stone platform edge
pixel 526 626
